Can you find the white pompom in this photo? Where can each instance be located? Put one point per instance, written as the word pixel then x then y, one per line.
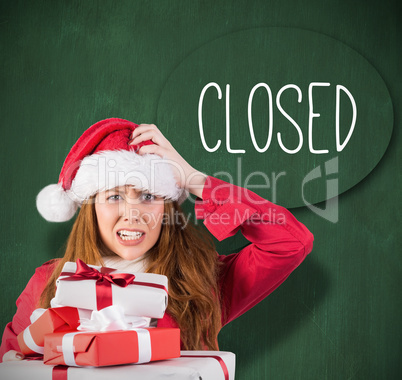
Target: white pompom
pixel 54 204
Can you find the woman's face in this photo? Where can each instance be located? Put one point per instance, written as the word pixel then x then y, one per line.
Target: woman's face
pixel 129 221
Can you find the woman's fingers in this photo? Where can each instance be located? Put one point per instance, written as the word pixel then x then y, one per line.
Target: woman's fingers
pixel 148 132
pixel 143 128
pixel 149 135
pixel 12 356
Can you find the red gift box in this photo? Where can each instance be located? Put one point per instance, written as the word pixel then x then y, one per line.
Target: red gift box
pixel 112 347
pixel 31 340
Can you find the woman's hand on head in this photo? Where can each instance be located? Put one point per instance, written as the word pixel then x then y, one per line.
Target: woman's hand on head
pixel 12 356
pixel 186 176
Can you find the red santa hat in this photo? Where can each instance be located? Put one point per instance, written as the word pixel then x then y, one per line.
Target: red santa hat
pixel 100 160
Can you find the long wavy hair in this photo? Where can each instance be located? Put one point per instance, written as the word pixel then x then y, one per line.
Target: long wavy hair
pixel 183 253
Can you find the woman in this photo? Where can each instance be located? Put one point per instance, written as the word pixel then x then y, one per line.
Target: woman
pixel 129 181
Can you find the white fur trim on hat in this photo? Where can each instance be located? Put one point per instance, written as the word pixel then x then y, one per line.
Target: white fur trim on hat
pixel 109 169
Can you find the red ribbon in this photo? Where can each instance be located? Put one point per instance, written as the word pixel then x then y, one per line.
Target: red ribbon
pixel 157 286
pixel 59 372
pixel 218 358
pixel 104 281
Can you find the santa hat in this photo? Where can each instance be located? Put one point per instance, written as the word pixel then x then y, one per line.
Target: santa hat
pixel 100 160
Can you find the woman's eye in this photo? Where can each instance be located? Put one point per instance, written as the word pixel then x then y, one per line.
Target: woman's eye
pixel 114 198
pixel 147 197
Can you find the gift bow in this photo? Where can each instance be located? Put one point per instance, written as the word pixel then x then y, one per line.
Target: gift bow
pixel 104 281
pixel 85 272
pixel 110 319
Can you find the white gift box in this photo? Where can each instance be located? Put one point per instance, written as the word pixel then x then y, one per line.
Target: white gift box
pixel 205 365
pixel 145 297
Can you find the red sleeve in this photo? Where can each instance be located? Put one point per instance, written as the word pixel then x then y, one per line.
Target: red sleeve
pixel 26 303
pixel 279 243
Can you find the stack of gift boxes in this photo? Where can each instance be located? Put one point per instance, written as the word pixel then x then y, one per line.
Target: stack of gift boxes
pixel 101 317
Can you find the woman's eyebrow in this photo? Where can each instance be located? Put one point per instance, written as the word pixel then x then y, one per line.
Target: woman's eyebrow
pixel 115 190
pixel 124 190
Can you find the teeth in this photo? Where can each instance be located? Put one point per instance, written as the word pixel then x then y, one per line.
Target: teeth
pixel 130 235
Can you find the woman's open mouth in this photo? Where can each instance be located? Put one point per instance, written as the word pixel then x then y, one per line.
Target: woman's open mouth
pixel 130 237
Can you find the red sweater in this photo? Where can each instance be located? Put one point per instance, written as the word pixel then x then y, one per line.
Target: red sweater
pixel 279 243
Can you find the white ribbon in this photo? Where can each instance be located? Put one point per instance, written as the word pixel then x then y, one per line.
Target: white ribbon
pixel 143 339
pixel 144 346
pixel 36 314
pixel 27 336
pixel 31 343
pixel 111 318
pixel 68 349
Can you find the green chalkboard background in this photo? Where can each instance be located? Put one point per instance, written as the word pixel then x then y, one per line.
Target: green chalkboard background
pixel 68 64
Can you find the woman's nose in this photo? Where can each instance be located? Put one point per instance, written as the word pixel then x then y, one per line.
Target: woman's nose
pixel 131 212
